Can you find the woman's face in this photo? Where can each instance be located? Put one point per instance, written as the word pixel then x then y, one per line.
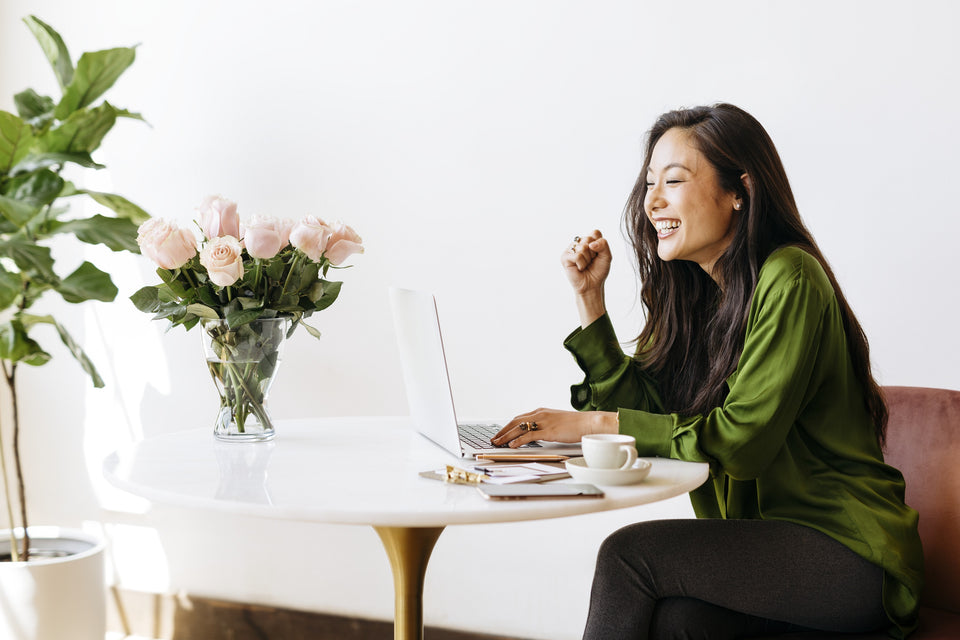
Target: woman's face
pixel 693 216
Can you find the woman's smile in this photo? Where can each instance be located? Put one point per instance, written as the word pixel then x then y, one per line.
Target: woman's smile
pixel 665 227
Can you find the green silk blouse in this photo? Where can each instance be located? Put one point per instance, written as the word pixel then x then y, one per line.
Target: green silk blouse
pixel 793 439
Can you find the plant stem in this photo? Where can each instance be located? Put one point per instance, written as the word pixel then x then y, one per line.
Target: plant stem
pixel 12 383
pixel 14 551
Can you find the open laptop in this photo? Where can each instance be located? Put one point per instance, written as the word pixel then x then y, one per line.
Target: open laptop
pixel 428 384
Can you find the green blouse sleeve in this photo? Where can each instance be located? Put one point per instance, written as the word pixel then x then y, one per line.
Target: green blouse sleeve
pixel 613 379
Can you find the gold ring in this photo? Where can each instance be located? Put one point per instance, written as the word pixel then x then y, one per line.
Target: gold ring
pixel 529 426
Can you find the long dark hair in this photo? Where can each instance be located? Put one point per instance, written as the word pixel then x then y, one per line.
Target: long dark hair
pixel 694 332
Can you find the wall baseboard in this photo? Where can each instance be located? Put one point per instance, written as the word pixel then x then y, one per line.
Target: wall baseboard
pixel 185 617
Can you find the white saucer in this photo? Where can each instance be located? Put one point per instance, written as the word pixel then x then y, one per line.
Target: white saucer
pixel 578 468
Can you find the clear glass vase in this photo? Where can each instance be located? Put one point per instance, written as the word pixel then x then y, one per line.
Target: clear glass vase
pixel 243 363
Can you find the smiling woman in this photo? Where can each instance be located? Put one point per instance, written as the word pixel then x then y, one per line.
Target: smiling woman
pixel 752 361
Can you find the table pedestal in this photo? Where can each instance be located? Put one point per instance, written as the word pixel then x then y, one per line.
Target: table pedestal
pixel 409 550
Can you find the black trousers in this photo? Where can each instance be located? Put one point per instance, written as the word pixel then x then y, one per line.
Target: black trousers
pixel 724 579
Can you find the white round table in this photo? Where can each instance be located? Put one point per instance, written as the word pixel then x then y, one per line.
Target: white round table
pixel 354 471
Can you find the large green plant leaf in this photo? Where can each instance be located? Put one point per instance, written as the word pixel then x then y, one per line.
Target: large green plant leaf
pixel 78 354
pixel 119 234
pixel 32 259
pixel 10 287
pixel 87 283
pixel 34 161
pixel 17 346
pixel 53 46
pixel 30 321
pixel 120 205
pixel 82 132
pixel 37 188
pixel 34 107
pixel 17 211
pixel 96 72
pixel 16 137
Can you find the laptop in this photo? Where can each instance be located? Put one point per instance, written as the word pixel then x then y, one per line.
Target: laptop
pixel 427 382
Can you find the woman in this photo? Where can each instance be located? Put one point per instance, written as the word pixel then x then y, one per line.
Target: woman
pixel 752 361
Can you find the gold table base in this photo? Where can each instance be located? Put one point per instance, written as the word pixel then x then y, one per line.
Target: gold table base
pixel 409 550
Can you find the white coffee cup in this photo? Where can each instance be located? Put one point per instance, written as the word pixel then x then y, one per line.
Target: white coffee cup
pixel 609 450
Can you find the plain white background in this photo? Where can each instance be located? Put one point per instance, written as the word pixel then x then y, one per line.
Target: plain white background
pixel 467 142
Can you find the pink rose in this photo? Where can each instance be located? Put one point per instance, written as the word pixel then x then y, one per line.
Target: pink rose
pixel 343 243
pixel 310 235
pixel 223 260
pixel 264 237
pixel 218 217
pixel 165 243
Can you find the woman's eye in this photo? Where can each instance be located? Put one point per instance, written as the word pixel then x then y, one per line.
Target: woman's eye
pixel 674 181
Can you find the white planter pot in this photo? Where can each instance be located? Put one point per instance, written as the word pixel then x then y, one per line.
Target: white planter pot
pixel 58 598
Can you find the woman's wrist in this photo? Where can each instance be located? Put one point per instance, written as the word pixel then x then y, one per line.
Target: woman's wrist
pixel 590 306
pixel 606 422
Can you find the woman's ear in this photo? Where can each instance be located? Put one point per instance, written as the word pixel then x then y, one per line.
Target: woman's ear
pixel 747 184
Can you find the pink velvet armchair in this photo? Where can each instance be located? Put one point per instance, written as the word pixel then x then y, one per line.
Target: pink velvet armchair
pixel 923 442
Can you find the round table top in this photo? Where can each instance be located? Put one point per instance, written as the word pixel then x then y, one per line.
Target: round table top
pixel 348 471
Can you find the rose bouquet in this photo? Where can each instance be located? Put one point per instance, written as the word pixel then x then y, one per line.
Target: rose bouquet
pixel 249 285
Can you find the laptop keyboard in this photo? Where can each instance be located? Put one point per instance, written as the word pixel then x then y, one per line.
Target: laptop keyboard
pixel 478 436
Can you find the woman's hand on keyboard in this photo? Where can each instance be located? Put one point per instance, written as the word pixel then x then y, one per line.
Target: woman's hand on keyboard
pixel 554 425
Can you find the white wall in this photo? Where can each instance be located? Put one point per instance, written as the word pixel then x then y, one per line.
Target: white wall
pixel 468 142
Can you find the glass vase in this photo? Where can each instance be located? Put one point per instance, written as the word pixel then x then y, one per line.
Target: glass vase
pixel 243 362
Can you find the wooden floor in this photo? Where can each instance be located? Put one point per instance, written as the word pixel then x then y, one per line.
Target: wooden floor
pixel 140 616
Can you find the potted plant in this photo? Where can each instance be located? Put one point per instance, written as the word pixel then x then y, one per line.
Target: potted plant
pixel 45 138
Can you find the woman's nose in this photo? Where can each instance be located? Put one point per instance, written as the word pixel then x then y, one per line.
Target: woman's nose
pixel 654 198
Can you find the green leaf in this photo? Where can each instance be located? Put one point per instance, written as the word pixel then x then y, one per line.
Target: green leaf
pixel 31 258
pixel 312 331
pixel 71 344
pixel 120 205
pixel 37 188
pixel 146 299
pixel 34 161
pixel 79 355
pixel 87 283
pixel 96 72
pixel 119 234
pixel 244 316
pixel 327 294
pixel 308 276
pixel 81 132
pixel 208 296
pixel 53 46
pixel 10 287
pixel 202 311
pixel 17 346
pixel 17 211
pixel 275 269
pixel 33 107
pixel 16 138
